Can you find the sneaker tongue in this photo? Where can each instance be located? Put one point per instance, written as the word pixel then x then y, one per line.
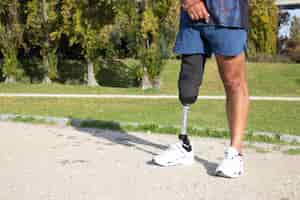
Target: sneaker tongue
pixel 231 152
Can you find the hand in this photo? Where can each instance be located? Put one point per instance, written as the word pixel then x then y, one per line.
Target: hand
pixel 196 9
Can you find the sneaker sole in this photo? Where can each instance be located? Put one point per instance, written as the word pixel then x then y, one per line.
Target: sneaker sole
pixel 183 162
pixel 221 174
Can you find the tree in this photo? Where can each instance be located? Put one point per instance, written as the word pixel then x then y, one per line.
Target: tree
pixel 85 22
pixel 150 53
pixel 126 28
pixel 167 12
pixel 263 23
pixel 11 37
pixel 43 30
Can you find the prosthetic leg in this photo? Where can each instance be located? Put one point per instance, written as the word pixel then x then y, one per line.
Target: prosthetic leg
pixel 190 80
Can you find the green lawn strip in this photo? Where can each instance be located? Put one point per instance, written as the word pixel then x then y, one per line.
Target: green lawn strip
pixel 277 117
pixel 193 131
pixel 153 128
pixel 265 79
pixel 293 152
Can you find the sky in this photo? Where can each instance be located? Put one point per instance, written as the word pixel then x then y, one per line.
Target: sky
pixel 284 31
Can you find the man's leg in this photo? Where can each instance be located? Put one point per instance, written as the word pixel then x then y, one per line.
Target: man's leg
pixel 189 82
pixel 232 72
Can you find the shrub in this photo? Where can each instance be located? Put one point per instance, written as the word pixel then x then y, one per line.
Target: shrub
pixel 295 54
pixel 33 68
pixel 117 73
pixel 71 71
pixel 277 58
pixel 1 70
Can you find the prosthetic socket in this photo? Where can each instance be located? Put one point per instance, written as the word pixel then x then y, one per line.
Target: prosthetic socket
pixel 190 79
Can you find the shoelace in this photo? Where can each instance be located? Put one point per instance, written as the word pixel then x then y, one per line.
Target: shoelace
pixel 228 156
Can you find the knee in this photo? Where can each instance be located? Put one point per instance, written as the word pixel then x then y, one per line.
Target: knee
pixel 233 85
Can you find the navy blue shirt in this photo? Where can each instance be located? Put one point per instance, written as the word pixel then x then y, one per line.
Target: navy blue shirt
pixel 227 13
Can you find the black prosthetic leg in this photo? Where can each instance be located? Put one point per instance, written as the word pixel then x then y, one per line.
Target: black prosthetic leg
pixel 190 79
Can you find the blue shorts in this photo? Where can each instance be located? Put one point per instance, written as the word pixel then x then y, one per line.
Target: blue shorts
pixel 198 38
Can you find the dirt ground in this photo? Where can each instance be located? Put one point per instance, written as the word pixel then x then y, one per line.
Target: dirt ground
pixel 39 162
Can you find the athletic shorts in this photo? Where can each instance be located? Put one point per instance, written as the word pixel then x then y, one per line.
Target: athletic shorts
pixel 198 38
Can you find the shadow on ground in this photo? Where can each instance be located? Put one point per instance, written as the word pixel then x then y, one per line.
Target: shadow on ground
pixel 115 135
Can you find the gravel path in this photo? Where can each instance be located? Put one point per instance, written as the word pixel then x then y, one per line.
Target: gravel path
pixel 40 162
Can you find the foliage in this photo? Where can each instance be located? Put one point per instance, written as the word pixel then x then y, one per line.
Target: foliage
pixel 117 73
pixel 45 37
pixel 71 71
pixel 263 27
pixel 150 55
pixel 84 21
pixel 11 37
pixel 167 12
pixel 295 29
pixel 125 30
pixel 10 62
pixel 43 30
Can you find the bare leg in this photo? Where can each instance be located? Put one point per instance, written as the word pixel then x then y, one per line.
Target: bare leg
pixel 232 72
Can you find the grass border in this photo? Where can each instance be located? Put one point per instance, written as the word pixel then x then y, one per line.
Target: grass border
pixel 250 136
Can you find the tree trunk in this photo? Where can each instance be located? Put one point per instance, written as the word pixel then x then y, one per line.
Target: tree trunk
pixel 10 79
pixel 91 74
pixel 46 79
pixel 146 83
pixel 156 83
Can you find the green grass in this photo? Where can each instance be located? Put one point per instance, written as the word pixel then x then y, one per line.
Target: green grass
pixel 153 128
pixel 279 117
pixel 265 79
pixel 293 152
pixel 31 120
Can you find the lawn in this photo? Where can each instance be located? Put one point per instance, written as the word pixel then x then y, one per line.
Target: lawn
pixel 279 117
pixel 265 79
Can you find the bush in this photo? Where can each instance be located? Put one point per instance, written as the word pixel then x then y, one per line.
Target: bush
pixel 117 73
pixel 33 69
pixel 295 54
pixel 1 70
pixel 153 60
pixel 71 71
pixel 267 58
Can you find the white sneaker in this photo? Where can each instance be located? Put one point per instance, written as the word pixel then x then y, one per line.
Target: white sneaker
pixel 232 165
pixel 174 155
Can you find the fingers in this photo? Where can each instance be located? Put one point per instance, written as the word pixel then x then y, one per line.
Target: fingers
pixel 205 13
pixel 195 14
pixel 198 11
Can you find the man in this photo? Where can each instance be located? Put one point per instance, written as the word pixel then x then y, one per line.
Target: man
pixel 218 27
